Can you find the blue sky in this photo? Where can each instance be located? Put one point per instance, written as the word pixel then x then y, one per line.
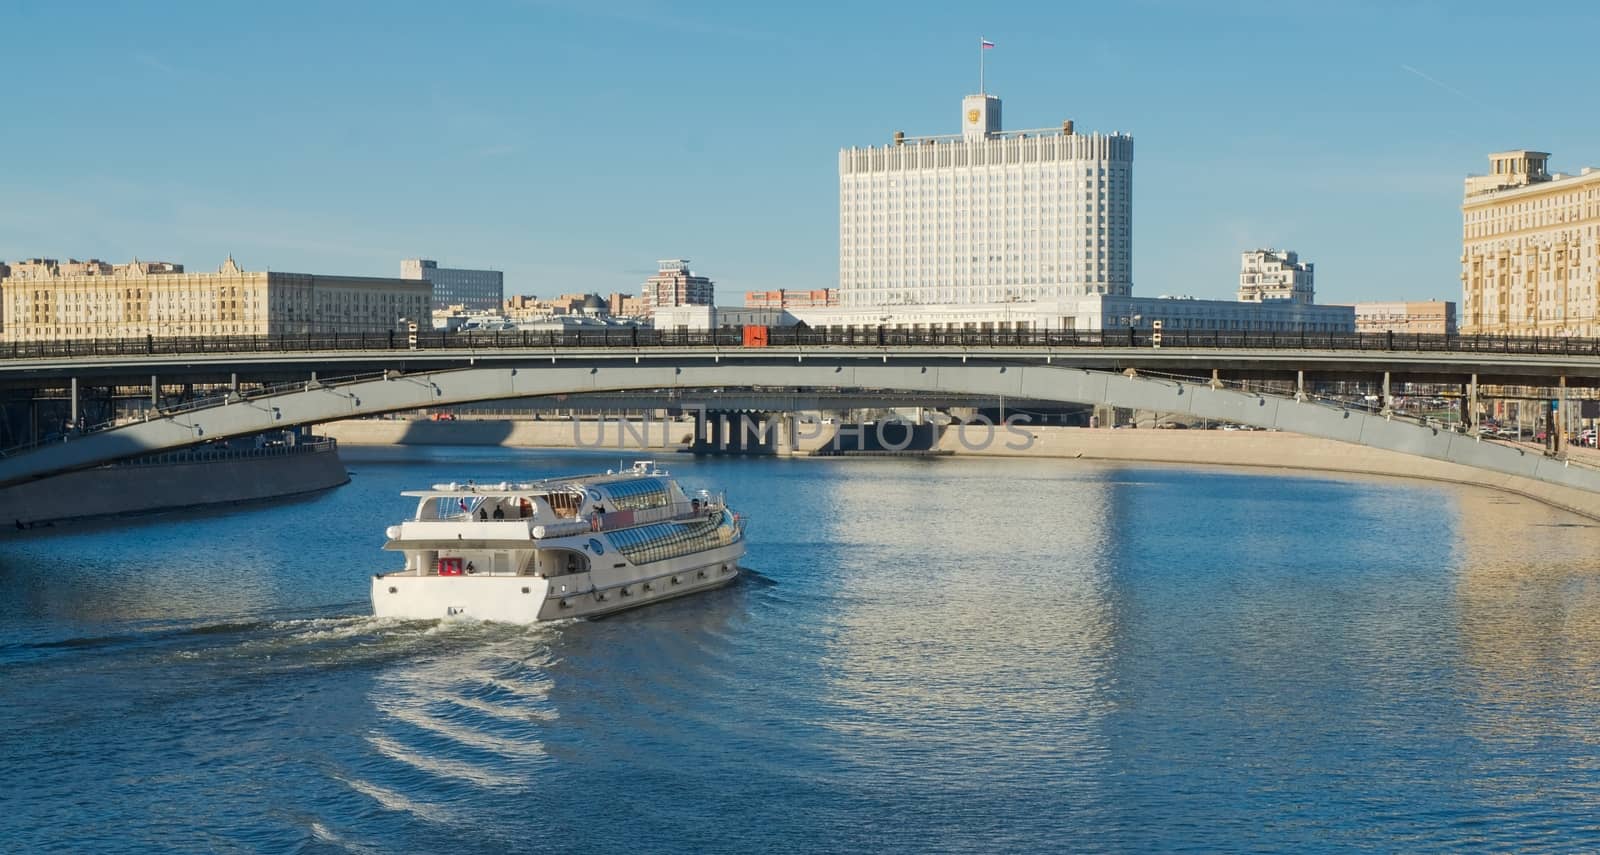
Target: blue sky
pixel 573 143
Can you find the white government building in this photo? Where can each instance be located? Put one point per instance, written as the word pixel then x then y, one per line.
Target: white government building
pixel 986 217
pixel 1004 230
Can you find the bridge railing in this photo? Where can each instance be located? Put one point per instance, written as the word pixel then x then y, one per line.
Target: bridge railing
pixel 621 337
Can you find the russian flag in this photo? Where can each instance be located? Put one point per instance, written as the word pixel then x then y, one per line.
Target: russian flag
pixel 985 43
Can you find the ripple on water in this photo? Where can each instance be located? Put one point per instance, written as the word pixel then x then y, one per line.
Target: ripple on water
pixel 928 656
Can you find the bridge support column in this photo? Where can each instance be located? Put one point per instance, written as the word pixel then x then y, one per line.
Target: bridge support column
pixel 1216 379
pixel 698 440
pixel 155 393
pixel 1555 430
pixel 1105 415
pixel 1300 385
pixel 783 444
pixel 1388 403
pixel 1472 403
pixel 74 410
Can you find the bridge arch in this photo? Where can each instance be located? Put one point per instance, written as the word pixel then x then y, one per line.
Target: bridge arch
pixel 1043 382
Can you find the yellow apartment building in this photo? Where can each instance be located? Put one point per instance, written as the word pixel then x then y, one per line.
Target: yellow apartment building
pixel 1528 264
pixel 46 300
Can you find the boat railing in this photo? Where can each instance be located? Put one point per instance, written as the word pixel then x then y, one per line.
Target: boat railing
pixel 608 521
pixel 691 509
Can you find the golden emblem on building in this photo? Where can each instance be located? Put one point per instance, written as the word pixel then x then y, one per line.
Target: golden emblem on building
pixel 972 117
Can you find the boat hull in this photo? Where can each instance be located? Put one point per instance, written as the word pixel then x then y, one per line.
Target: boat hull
pixel 529 599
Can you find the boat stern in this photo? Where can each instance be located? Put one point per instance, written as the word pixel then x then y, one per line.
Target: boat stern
pixel 512 599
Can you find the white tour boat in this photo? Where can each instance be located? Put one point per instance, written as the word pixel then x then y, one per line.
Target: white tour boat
pixel 558 548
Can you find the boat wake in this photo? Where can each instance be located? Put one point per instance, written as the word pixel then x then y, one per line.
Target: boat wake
pixel 272 637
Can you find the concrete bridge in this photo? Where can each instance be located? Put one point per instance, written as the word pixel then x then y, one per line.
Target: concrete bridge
pixel 1119 377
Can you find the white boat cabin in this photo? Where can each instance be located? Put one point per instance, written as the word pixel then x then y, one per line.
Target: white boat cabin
pixel 535 528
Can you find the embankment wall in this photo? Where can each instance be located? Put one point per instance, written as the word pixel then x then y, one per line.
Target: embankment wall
pixel 114 491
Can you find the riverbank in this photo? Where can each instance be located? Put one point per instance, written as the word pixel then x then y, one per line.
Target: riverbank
pixel 179 480
pixel 1276 450
pixel 1268 449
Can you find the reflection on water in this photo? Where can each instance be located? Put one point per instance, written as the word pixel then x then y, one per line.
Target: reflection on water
pixel 926 656
pixel 960 638
pixel 1530 625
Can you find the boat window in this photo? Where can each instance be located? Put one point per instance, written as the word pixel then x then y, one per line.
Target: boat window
pixel 565 505
pixel 662 541
pixel 638 494
pixel 559 562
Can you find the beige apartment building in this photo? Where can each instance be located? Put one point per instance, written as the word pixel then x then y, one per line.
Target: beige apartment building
pixel 1429 317
pixel 1528 264
pixel 46 300
pixel 625 306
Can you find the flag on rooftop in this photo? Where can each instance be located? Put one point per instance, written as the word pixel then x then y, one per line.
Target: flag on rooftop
pixel 986 43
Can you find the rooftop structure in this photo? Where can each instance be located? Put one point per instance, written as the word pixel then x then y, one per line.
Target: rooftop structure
pixel 50 268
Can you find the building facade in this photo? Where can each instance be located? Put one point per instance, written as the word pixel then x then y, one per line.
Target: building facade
pixel 985 217
pixel 1428 317
pixel 785 298
pixel 1267 275
pixel 45 300
pixel 625 305
pixel 1092 313
pixel 1528 239
pixel 475 290
pixel 676 285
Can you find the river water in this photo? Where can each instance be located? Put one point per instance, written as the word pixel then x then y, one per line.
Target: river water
pixel 948 655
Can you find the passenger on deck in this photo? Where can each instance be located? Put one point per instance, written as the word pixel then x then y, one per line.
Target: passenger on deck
pixel 694 506
pixel 483 514
pixel 499 512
